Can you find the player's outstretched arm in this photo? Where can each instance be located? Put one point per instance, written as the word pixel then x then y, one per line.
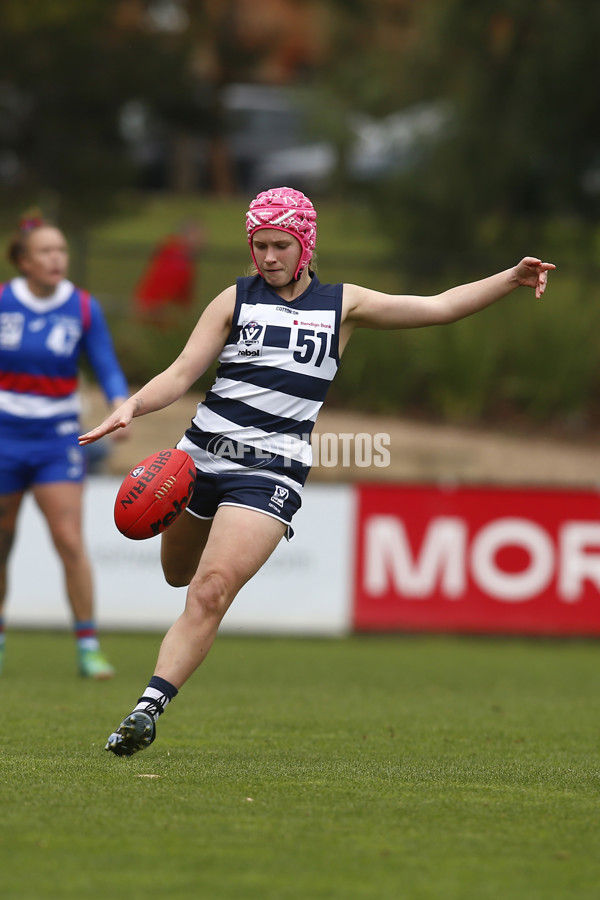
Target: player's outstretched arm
pixel 372 309
pixel 203 346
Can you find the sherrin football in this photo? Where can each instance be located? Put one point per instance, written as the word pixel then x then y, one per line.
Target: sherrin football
pixel 154 494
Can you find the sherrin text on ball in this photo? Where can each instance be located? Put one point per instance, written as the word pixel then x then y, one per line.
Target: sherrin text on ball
pixel 154 494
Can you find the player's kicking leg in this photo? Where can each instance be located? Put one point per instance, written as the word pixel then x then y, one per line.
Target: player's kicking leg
pixel 239 543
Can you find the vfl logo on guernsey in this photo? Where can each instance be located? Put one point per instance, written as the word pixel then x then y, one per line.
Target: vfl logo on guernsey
pixel 251 337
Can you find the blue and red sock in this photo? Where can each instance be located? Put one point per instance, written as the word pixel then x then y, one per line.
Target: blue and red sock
pixel 86 635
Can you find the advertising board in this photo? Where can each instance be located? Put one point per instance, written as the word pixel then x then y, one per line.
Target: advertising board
pixel 477 559
pixel 304 588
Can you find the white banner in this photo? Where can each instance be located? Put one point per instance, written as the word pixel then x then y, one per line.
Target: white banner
pixel 305 588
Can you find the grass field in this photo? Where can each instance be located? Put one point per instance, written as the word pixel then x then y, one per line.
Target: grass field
pixel 396 767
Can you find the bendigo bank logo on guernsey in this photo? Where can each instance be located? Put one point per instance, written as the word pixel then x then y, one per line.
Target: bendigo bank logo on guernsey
pixel 251 338
pixel 478 560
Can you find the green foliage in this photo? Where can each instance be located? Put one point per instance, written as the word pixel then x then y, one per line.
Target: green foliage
pixel 522 141
pixel 66 70
pixel 535 360
pixel 382 767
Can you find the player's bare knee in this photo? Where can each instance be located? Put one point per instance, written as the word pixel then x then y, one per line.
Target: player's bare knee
pixel 69 547
pixel 209 594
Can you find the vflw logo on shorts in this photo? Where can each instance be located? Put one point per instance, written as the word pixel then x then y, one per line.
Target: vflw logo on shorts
pixel 251 338
pixel 280 496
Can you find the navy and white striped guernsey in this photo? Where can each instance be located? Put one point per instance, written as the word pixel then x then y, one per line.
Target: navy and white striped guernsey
pixel 275 369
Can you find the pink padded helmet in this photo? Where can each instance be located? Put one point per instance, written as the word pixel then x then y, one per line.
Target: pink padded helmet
pixel 285 209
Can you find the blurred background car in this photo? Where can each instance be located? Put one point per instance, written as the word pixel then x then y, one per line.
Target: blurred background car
pixel 377 148
pixel 269 139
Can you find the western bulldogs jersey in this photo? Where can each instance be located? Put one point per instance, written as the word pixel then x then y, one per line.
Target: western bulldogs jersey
pixel 41 340
pixel 274 372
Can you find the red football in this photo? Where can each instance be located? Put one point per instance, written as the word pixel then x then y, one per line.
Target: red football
pixel 154 494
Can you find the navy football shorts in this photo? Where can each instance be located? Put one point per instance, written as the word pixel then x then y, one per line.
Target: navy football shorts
pixel 266 495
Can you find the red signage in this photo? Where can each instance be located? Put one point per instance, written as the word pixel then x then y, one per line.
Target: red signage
pixel 477 559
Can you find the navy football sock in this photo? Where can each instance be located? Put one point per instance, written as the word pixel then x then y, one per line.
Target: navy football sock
pixel 155 698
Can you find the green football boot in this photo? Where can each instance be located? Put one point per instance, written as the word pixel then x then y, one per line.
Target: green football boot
pixel 93 664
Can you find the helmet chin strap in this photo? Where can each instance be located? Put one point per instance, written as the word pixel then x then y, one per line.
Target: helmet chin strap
pixel 294 278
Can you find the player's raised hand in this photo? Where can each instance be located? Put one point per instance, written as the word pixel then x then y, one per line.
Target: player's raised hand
pixel 120 418
pixel 532 272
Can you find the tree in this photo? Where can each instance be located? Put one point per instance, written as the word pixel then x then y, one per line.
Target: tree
pixel 74 74
pixel 67 69
pixel 524 144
